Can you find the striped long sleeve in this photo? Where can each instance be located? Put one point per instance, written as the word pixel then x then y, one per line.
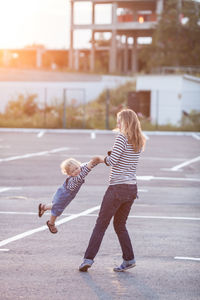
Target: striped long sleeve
pixel 123 161
pixel 75 181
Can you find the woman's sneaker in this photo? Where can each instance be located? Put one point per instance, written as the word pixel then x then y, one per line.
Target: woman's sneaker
pixel 87 263
pixel 125 266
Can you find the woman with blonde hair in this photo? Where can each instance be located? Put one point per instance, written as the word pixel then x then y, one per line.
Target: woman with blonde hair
pixel 121 192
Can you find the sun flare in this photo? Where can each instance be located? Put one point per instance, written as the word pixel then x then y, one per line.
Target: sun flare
pixel 25 22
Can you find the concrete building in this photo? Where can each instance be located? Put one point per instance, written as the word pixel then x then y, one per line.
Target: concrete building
pixel 130 19
pixel 165 98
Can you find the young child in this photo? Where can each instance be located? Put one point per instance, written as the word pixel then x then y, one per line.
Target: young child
pixel 66 193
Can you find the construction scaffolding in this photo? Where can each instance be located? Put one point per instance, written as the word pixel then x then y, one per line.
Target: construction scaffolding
pixel 130 20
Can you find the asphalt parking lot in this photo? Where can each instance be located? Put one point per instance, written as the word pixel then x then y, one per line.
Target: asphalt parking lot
pixel 164 223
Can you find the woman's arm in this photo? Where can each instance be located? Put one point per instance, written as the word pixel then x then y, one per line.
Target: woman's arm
pixel 118 149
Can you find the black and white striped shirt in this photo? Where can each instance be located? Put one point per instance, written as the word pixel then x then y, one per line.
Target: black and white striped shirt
pixel 123 161
pixel 76 181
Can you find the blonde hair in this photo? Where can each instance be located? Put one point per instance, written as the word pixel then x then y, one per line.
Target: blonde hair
pixel 67 164
pixel 131 128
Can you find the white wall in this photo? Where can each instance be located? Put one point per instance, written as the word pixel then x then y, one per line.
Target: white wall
pixel 165 107
pixel 158 82
pixel 170 95
pixel 10 90
pixel 191 94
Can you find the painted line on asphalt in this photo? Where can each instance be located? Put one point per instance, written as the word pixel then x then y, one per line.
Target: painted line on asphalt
pixel 4 250
pixel 166 218
pixel 163 158
pixel 99 131
pixel 5 189
pixel 41 133
pixel 28 155
pixel 196 136
pixel 21 213
pixel 146 136
pixel 42 228
pixel 95 215
pixel 157 217
pixel 186 163
pixel 187 258
pixel 93 135
pixel 148 178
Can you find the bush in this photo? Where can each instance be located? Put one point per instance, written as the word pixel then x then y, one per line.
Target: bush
pixel 27 106
pixel 24 112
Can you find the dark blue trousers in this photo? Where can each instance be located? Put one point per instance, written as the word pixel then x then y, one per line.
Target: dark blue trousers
pixel 116 203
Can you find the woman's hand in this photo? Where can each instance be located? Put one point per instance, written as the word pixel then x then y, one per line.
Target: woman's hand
pixel 97 160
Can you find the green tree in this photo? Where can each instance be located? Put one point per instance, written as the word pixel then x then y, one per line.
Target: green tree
pixel 176 40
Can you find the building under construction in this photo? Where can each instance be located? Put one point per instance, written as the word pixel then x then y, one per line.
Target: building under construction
pixel 130 20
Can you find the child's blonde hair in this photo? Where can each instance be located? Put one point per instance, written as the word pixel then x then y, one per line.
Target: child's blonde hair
pixel 130 127
pixel 67 164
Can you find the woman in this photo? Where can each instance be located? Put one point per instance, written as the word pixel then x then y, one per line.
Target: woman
pixel 121 192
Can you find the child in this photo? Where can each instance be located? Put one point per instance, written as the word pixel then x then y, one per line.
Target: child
pixel 67 192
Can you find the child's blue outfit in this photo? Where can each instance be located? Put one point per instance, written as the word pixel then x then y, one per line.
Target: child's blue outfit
pixel 67 192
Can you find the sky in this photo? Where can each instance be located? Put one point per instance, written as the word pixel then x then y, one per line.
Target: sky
pixel 46 22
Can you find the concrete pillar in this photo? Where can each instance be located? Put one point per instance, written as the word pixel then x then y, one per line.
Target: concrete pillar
pixel 6 58
pixel 113 46
pixel 39 53
pixel 125 69
pixel 159 8
pixel 71 47
pixel 92 52
pixel 179 5
pixel 134 16
pixel 134 56
pixel 76 60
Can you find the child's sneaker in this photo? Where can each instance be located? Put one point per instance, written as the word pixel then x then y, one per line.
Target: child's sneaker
pixel 87 263
pixel 125 265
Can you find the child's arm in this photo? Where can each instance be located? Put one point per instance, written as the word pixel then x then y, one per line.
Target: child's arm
pixel 86 168
pixel 95 161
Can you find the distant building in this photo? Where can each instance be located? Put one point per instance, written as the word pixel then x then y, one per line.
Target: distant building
pixel 165 98
pixel 131 19
pixel 34 57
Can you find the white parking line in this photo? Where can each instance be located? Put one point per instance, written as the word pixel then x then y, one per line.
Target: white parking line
pixel 41 133
pixel 148 178
pixel 42 228
pixel 157 217
pixel 186 163
pixel 93 135
pixel 4 189
pixel 33 154
pixel 95 215
pixel 146 136
pixel 4 250
pixel 166 218
pixel 187 258
pixel 195 136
